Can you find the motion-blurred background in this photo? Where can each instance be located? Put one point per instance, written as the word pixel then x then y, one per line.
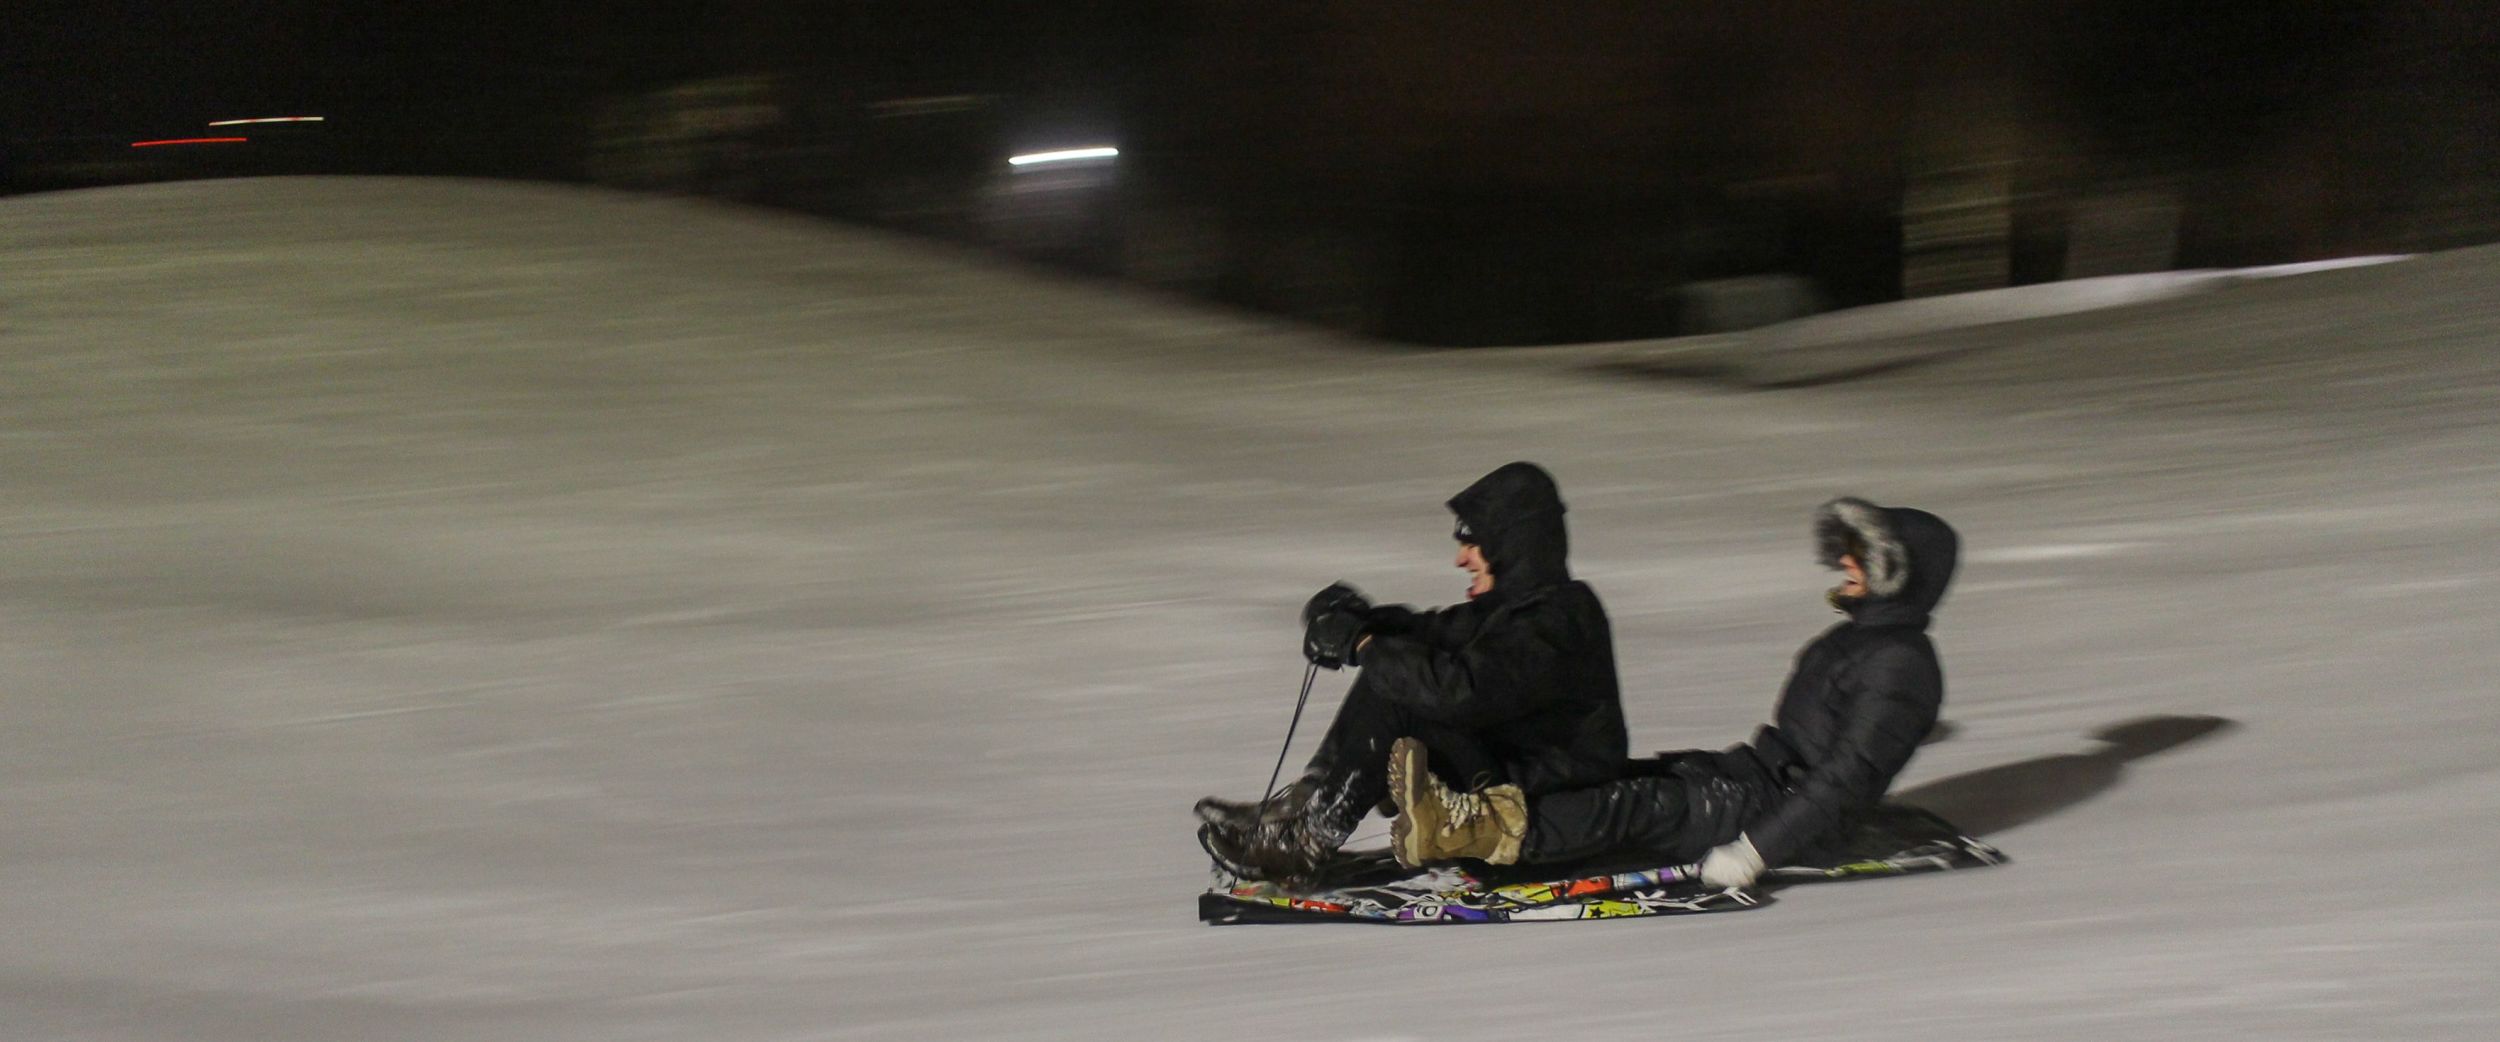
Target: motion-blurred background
pixel 1464 172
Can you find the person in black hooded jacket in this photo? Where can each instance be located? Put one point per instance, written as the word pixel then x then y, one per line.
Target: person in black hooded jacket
pixel 1861 698
pixel 1513 691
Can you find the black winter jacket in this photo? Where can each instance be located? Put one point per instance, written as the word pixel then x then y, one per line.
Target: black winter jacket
pixel 1865 693
pixel 1530 666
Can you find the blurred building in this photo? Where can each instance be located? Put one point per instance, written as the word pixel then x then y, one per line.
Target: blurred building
pixel 1465 172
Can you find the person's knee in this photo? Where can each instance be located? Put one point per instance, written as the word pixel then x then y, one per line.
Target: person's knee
pixel 1363 700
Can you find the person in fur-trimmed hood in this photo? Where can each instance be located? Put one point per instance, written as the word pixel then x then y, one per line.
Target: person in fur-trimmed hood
pixel 1861 698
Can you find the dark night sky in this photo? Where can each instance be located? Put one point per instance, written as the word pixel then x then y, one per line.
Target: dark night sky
pixel 1334 96
pixel 129 67
pixel 1359 75
pixel 135 68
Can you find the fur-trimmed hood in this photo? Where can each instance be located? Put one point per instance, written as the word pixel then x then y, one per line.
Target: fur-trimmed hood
pixel 1909 556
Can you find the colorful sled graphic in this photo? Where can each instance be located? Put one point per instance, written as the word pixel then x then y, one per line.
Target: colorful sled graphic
pixel 1367 887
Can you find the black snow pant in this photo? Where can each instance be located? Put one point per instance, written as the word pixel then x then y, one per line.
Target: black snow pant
pixel 1672 810
pixel 1350 772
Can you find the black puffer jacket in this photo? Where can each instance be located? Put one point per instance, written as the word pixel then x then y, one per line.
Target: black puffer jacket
pixel 1530 666
pixel 1866 692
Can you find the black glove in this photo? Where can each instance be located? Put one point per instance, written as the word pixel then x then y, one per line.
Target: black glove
pixel 1329 640
pixel 1337 597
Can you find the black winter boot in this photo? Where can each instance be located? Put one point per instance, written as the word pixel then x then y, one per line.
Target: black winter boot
pixel 1239 815
pixel 1289 839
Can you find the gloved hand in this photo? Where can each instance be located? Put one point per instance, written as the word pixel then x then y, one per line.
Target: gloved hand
pixel 1339 596
pixel 1329 640
pixel 1732 864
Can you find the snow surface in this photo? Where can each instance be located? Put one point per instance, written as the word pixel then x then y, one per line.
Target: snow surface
pixel 455 610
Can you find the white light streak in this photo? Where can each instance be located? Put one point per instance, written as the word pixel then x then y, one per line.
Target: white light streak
pixel 1069 155
pixel 266 119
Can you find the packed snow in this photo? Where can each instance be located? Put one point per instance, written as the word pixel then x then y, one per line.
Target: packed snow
pixel 457 610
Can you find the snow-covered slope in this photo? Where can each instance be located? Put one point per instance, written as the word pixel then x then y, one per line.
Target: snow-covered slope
pixel 437 610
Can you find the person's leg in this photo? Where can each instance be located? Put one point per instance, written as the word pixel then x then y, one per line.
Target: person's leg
pixel 1675 816
pixel 1356 745
pixel 1309 819
pixel 1348 775
pixel 1459 758
pixel 1645 813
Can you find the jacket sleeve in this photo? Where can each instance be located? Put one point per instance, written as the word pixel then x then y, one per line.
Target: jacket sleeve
pixel 1505 672
pixel 1398 620
pixel 1897 693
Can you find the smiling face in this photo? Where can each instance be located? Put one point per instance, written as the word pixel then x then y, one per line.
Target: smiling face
pixel 1852 577
pixel 1480 574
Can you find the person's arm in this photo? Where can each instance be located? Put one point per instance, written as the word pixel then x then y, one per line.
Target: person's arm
pixel 1898 692
pixel 1397 620
pixel 1495 677
pixel 1338 622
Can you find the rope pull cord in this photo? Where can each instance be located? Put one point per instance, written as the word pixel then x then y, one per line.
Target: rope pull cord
pixel 1309 677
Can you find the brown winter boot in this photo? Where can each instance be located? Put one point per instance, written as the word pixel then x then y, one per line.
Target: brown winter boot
pixel 1438 824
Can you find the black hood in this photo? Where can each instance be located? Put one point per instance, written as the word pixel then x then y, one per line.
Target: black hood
pixel 1909 556
pixel 1516 517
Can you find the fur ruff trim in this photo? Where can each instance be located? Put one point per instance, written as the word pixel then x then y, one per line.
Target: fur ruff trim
pixel 1843 521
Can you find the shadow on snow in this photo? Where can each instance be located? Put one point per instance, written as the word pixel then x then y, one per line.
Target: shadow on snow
pixel 1991 800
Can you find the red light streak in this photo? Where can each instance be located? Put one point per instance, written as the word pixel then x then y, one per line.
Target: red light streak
pixel 187 141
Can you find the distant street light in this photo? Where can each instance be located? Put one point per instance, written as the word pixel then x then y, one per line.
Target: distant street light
pixel 1069 155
